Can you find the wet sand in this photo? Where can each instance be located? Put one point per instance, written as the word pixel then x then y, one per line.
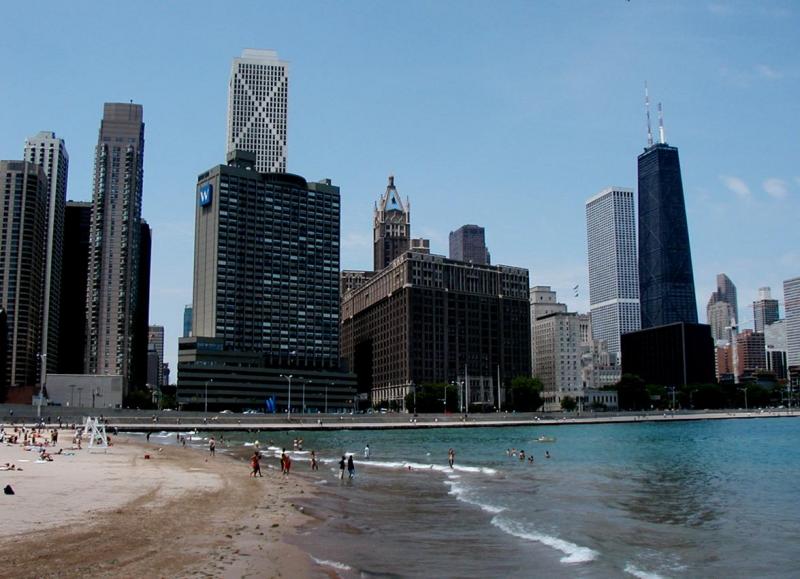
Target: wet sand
pixel 178 514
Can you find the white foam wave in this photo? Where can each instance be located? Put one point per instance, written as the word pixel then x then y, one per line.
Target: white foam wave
pixel 631 569
pixel 574 553
pixel 426 466
pixel 334 564
pixel 460 492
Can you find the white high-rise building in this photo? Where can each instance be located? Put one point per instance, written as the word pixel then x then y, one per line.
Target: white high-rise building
pixel 543 303
pixel 791 299
pixel 49 152
pixel 613 266
pixel 257 104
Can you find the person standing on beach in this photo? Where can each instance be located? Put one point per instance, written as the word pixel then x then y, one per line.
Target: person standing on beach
pixel 342 464
pixel 288 464
pixel 351 467
pixel 366 452
pixel 212 446
pixel 255 462
pixel 451 457
pixel 314 464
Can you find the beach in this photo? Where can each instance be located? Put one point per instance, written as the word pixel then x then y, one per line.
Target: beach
pixel 115 513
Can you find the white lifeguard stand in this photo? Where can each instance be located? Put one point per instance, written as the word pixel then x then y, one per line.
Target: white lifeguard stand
pixel 96 431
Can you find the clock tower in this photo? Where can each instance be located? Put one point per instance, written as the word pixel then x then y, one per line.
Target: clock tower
pixel 392 227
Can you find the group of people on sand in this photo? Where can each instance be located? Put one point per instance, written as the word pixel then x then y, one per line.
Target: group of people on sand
pixel 512 452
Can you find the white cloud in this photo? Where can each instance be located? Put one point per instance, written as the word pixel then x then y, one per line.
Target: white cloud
pixel 736 185
pixel 776 188
pixel 766 71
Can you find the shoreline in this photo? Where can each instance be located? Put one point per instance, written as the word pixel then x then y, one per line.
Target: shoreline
pixel 366 422
pixel 178 513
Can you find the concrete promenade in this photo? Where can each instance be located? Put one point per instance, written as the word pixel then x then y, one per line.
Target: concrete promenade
pixel 156 421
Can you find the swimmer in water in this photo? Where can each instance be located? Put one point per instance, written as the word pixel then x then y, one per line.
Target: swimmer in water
pixel 547 454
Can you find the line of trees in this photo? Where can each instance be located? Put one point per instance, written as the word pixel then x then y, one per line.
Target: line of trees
pixel 524 395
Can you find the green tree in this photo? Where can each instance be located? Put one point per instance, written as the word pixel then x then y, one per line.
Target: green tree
pixel 430 398
pixel 568 403
pixel 526 394
pixel 632 393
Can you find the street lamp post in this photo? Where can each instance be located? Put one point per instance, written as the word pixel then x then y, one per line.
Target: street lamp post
pixel 745 397
pixel 414 386
pixel 72 395
pixel 289 405
pixel 205 404
pixel 80 396
pixel 43 373
pixel 304 394
pixel 326 397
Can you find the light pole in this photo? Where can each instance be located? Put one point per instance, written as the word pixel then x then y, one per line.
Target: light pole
pixel 745 397
pixel 43 358
pixel 80 396
pixel 289 405
pixel 205 404
pixel 326 397
pixel 304 394
pixel 414 386
pixel 72 395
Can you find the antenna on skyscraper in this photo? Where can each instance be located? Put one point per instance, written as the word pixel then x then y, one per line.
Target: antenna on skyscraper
pixel 660 125
pixel 647 110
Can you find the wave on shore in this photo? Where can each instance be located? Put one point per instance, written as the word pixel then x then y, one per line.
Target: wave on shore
pixel 574 553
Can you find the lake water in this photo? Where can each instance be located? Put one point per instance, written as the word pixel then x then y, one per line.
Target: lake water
pixel 715 498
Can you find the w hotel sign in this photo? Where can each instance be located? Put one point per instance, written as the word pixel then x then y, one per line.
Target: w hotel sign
pixel 204 195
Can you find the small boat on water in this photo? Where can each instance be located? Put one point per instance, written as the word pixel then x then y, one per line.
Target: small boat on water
pixel 543 438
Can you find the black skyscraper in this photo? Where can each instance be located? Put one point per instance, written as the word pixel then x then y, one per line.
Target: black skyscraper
pixel 72 338
pixel 666 281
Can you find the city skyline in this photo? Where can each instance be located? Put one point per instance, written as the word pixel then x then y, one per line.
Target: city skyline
pixel 484 130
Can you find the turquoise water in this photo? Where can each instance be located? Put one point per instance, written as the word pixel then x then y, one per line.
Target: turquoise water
pixel 686 499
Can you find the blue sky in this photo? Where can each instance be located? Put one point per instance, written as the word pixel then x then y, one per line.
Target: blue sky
pixel 505 114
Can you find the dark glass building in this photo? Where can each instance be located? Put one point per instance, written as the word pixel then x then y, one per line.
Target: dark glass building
pixel 72 341
pixel 670 355
pixel 666 280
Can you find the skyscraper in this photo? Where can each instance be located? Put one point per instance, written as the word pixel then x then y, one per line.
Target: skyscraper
pixel 722 309
pixel 391 227
pixel 666 280
pixel 765 310
pixel 257 104
pixel 113 279
pixel 267 264
pixel 72 337
pixel 468 243
pixel 613 268
pixel 23 230
pixel 46 150
pixel 791 304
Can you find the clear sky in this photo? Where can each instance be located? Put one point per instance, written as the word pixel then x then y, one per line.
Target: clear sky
pixel 504 114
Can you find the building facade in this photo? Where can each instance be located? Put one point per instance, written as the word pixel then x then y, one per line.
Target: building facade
pixel 560 342
pixel 613 267
pixel 48 151
pixel 23 229
pixel 468 243
pixel 751 352
pixel 155 339
pixel 187 321
pixel 723 309
pixel 765 310
pixel 543 302
pixel 791 303
pixel 428 319
pixel 775 346
pixel 391 227
pixel 257 108
pixel 666 279
pixel 112 293
pixel 72 341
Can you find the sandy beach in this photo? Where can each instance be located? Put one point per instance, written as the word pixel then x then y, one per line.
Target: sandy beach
pixel 180 513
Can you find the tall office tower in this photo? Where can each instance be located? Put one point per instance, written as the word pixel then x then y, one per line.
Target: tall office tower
pixel 613 268
pixel 765 310
pixel 46 150
pixel 113 284
pixel 791 304
pixel 187 320
pixel 155 338
pixel 266 269
pixel 468 243
pixel 391 227
pixel 257 102
pixel 72 337
pixel 666 280
pixel 722 309
pixel 775 345
pixel 23 230
pixel 719 315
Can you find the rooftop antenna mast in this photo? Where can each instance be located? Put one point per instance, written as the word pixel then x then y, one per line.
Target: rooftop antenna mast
pixel 660 125
pixel 647 110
